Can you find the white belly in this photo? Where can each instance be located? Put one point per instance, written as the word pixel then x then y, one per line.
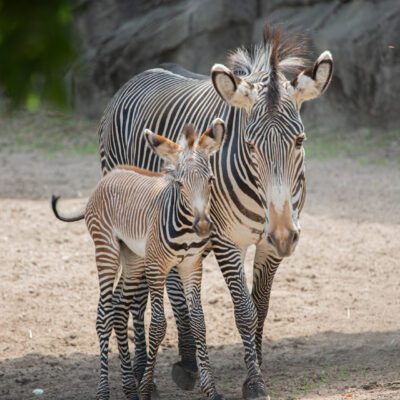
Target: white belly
pixel 138 246
pixel 244 236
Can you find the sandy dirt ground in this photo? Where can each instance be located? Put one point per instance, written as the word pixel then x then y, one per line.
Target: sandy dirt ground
pixel 333 330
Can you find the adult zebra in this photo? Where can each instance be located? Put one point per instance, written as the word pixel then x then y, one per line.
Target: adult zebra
pixel 259 187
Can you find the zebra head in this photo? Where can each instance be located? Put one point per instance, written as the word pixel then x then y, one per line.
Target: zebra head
pixel 190 168
pixel 272 130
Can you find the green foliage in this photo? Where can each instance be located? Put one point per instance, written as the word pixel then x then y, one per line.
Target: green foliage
pixel 36 48
pixel 47 131
pixel 365 145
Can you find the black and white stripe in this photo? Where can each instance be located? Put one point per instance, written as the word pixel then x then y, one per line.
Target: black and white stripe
pixel 259 184
pixel 150 223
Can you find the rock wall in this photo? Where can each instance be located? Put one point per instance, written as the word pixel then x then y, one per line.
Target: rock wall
pixel 123 37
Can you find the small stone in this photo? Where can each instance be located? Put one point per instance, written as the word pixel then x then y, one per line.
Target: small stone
pixel 38 392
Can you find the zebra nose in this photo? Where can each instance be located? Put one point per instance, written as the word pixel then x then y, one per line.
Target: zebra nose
pixel 284 243
pixel 295 237
pixel 202 226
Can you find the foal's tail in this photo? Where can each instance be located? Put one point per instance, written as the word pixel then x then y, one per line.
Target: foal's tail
pixel 70 218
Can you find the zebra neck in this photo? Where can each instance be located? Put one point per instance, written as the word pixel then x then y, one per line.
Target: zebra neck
pixel 239 157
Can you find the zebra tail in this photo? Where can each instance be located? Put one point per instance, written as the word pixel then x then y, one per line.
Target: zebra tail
pixel 72 218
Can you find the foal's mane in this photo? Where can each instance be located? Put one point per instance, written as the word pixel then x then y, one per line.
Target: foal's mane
pixel 140 171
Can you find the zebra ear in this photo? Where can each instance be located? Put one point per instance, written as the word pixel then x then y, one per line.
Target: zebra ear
pixel 211 140
pixel 314 81
pixel 188 137
pixel 163 147
pixel 234 90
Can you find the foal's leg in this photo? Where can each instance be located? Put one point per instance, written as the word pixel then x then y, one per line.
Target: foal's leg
pixel 156 281
pixel 191 272
pixel 107 260
pixel 184 372
pixel 138 308
pixel 133 270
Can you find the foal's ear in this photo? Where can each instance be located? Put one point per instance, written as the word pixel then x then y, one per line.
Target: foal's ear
pixel 211 140
pixel 188 137
pixel 163 147
pixel 234 90
pixel 312 82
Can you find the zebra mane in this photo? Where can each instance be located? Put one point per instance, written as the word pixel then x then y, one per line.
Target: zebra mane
pixel 286 53
pixel 276 56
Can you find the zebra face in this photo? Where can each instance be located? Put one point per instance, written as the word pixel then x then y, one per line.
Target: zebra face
pixel 273 131
pixel 194 178
pixel 275 142
pixel 194 173
pixel 190 162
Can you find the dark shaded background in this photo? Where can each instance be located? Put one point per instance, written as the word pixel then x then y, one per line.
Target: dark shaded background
pixel 120 38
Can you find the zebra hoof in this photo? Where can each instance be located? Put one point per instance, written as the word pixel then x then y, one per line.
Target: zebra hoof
pixel 129 389
pixel 132 396
pixel 254 389
pixel 103 396
pixel 184 377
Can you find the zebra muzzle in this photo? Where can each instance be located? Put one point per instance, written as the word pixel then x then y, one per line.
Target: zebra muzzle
pixel 284 244
pixel 202 226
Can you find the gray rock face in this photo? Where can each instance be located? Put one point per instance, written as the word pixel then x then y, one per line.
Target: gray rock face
pixel 364 38
pixel 123 37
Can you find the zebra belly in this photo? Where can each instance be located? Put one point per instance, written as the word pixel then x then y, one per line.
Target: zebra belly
pixel 242 226
pixel 244 236
pixel 137 246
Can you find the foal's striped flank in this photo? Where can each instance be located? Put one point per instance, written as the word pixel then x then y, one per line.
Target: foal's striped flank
pixel 149 223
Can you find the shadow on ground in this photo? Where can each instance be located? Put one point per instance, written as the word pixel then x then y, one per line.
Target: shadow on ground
pixel 324 364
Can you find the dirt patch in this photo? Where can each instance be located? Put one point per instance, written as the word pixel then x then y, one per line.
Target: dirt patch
pixel 332 331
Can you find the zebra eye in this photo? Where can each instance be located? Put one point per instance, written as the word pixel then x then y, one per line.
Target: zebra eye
pixel 251 145
pixel 179 182
pixel 211 179
pixel 299 140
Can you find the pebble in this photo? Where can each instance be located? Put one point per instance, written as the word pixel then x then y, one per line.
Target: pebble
pixel 37 392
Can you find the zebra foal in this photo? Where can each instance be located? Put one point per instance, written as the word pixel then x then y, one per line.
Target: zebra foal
pixel 151 222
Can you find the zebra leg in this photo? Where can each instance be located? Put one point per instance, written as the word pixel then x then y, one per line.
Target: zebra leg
pixel 133 270
pixel 137 303
pixel 107 260
pixel 158 326
pixel 138 308
pixel 184 372
pixel 191 273
pixel 265 266
pixel 230 260
pixel 121 314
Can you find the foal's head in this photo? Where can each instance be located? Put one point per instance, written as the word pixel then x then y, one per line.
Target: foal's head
pixel 190 167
